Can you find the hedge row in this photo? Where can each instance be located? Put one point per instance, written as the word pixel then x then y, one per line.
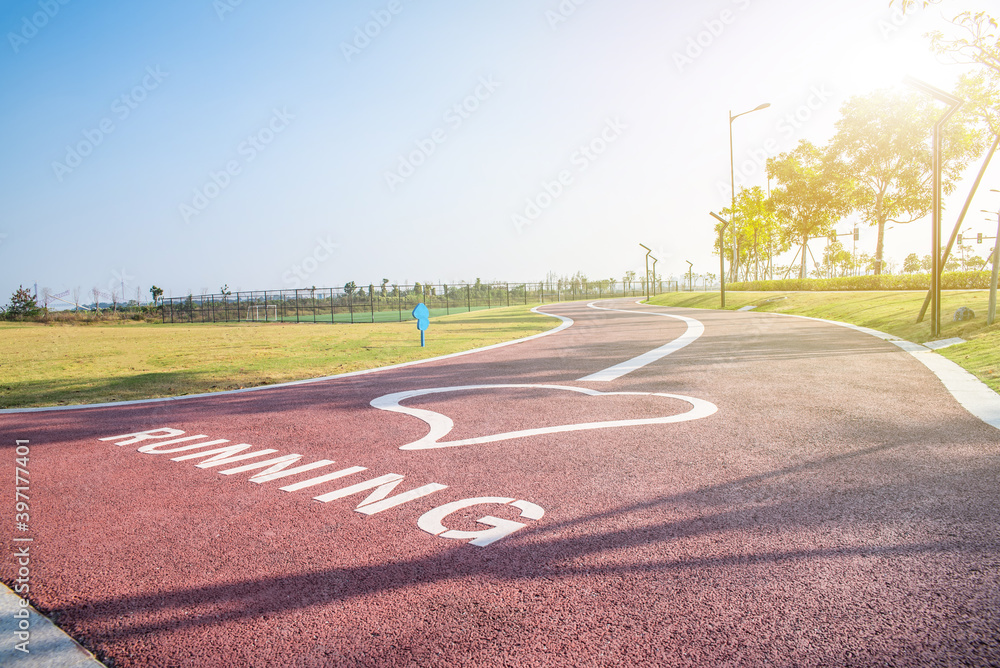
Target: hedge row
pixel 953 280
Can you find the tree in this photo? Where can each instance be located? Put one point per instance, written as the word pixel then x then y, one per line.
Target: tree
pixel 836 260
pixel 974 41
pixel 349 288
pixel 156 292
pixel 809 198
pixel 752 231
pixel 881 152
pixel 22 305
pixel 911 264
pixel 627 280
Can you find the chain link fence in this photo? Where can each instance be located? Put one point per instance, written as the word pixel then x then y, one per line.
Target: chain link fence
pixel 382 303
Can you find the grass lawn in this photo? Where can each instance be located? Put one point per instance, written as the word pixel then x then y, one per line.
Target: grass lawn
pixel 61 364
pixel 894 312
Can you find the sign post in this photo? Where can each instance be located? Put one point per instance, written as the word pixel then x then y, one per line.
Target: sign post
pixel 422 314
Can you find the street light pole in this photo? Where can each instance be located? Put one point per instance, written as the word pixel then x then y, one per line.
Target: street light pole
pixel 991 311
pixel 722 257
pixel 732 166
pixel 953 104
pixel 654 274
pixel 648 251
pixel 690 285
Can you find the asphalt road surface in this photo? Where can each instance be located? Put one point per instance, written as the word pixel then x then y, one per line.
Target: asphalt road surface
pixel 636 489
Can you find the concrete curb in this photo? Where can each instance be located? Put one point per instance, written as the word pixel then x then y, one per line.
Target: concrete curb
pixel 48 646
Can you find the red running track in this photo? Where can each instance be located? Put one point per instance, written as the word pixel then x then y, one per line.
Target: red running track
pixel 839 508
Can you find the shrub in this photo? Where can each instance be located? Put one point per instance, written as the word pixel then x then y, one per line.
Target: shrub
pixel 22 306
pixel 952 280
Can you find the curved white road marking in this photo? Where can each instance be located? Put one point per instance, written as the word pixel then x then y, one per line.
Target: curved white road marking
pixel 441 425
pixel 566 322
pixel 694 330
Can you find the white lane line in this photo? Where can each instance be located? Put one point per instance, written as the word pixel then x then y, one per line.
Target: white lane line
pixel 694 330
pixel 973 394
pixel 566 322
pixel 441 425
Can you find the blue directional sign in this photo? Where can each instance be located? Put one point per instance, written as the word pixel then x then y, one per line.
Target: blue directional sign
pixel 422 314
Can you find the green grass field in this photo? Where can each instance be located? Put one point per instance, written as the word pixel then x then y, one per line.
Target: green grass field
pixel 893 312
pixel 62 364
pixel 379 316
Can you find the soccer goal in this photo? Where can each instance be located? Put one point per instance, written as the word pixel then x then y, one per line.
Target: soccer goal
pixel 261 312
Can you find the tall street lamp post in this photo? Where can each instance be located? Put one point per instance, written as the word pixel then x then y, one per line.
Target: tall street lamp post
pixel 732 166
pixel 722 256
pixel 953 104
pixel 991 311
pixel 648 251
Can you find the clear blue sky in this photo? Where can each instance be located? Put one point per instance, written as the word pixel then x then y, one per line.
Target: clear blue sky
pixel 191 144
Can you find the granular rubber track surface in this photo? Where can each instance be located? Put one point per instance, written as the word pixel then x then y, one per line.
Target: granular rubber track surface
pixel 838 509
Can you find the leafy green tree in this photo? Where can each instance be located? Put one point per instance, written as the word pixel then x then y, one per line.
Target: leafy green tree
pixel 837 260
pixel 881 150
pixel 752 235
pixel 156 293
pixel 911 264
pixel 349 288
pixel 22 305
pixel 809 199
